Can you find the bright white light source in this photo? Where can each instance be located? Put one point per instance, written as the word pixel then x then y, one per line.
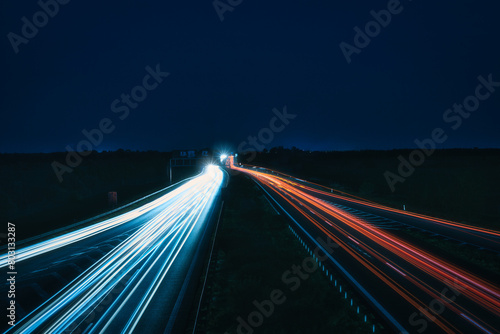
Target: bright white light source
pixel 223 157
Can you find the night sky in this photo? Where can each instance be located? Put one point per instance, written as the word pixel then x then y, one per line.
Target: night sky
pixel 225 77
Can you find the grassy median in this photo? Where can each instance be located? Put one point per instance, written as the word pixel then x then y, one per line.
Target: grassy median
pixel 253 249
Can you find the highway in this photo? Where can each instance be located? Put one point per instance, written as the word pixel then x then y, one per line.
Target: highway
pixel 481 237
pixel 412 289
pixel 127 274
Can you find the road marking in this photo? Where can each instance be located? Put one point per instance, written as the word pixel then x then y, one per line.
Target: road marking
pixel 375 303
pixel 399 271
pixel 41 292
pixel 475 323
pixel 88 328
pixel 376 221
pixel 77 268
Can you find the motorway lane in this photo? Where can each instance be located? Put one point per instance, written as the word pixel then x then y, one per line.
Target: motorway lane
pixel 373 281
pixel 116 291
pixel 96 230
pixel 403 279
pixel 39 277
pixel 480 237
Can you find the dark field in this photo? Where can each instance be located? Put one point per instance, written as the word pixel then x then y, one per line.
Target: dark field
pixel 460 185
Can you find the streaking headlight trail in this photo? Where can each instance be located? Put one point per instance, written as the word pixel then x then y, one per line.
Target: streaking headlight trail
pixel 83 233
pixel 139 264
pixel 410 280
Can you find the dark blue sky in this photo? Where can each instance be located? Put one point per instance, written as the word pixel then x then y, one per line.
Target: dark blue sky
pixel 226 77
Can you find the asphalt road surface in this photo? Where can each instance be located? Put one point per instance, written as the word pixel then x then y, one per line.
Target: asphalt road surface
pixel 412 289
pixel 127 274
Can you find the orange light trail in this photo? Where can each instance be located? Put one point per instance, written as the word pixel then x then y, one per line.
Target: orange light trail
pixel 366 202
pixel 318 212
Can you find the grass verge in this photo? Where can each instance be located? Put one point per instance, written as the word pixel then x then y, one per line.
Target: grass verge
pixel 253 249
pixel 474 259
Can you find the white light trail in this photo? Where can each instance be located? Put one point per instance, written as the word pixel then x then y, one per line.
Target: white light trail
pixel 83 233
pixel 140 262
